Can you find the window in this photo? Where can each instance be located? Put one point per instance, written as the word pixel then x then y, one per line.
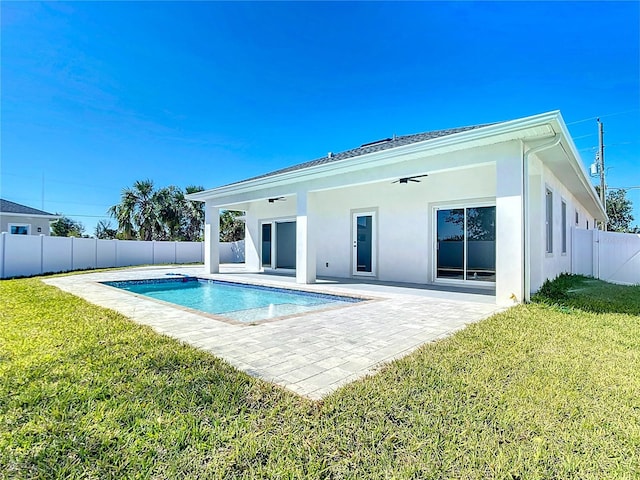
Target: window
pixel 549 220
pixel 19 228
pixel 564 227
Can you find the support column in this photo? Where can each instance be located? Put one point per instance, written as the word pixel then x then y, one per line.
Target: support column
pixel 509 231
pixel 211 238
pixel 252 241
pixel 305 242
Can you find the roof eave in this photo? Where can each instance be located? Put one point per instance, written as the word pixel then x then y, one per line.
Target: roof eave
pixel 30 215
pixel 578 165
pixel 480 133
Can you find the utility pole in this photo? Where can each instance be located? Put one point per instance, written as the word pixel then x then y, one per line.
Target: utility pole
pixel 603 185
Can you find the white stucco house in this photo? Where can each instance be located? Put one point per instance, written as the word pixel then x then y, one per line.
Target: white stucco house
pixel 490 206
pixel 19 219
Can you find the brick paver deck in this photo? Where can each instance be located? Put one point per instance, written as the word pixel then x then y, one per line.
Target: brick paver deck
pixel 311 354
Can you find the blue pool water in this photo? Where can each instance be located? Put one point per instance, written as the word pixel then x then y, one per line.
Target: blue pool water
pixel 244 303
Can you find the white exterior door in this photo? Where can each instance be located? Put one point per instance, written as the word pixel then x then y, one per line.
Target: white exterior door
pixel 364 244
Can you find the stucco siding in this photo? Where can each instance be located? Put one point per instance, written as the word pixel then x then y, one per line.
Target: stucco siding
pixel 404 219
pixel 35 223
pixel 548 265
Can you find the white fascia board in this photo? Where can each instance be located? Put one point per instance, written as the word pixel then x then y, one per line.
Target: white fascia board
pixel 27 215
pixel 501 132
pixel 576 162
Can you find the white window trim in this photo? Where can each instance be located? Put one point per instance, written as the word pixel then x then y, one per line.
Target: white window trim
pixel 548 222
pixel 434 207
pixel 28 225
pixel 273 222
pixel 564 238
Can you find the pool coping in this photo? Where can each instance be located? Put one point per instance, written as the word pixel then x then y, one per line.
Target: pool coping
pixel 221 318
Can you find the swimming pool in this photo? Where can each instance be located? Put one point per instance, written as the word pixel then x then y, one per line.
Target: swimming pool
pixel 236 301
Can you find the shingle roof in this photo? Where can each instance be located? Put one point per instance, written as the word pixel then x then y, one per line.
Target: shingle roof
pixel 11 207
pixel 372 147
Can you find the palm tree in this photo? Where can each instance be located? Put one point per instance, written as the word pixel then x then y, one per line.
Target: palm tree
pixel 171 205
pixel 105 230
pixel 136 213
pixel 193 218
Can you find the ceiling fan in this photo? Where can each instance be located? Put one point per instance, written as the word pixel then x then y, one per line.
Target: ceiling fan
pixel 410 179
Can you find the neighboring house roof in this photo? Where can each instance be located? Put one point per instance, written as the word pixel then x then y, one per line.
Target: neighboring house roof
pixel 13 208
pixel 366 148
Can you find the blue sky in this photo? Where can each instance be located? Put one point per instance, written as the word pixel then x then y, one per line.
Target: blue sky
pixel 97 95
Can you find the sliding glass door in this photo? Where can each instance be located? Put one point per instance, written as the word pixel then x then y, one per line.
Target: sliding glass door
pixel 466 244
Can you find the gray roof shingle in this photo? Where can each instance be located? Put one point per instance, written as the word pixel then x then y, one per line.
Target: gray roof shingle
pixel 11 207
pixel 372 147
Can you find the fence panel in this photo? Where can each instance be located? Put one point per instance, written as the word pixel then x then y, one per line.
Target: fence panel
pixel 25 255
pixel 132 252
pixel 619 257
pixel 106 253
pixel 582 252
pixel 84 253
pixel 22 255
pixel 189 252
pixel 164 252
pixel 56 254
pixel 232 252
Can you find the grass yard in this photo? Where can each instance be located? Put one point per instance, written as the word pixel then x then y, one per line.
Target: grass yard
pixel 545 390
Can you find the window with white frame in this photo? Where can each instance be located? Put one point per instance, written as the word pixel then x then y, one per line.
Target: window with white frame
pixel 20 228
pixel 564 226
pixel 549 220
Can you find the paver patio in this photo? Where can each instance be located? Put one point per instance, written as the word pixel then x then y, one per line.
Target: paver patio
pixel 311 354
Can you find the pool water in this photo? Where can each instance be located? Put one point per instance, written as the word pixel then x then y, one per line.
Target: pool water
pixel 240 302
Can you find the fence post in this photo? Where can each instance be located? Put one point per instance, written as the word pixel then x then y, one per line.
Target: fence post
pixel 153 252
pixel 116 249
pixel 175 252
pixel 41 253
pixel 72 262
pixel 4 243
pixel 596 254
pixel 95 244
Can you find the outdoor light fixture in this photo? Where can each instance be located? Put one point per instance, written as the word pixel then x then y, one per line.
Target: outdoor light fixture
pixel 276 199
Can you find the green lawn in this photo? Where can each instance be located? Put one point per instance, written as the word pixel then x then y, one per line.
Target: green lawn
pixel 546 390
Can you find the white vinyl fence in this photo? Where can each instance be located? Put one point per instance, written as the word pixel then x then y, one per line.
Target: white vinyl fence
pixel 613 257
pixel 25 255
pixel 232 252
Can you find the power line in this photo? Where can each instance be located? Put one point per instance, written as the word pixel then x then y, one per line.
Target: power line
pixel 604 116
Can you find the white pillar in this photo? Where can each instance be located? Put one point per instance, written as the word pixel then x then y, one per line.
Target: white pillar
pixel 252 241
pixel 509 231
pixel 305 244
pixel 211 238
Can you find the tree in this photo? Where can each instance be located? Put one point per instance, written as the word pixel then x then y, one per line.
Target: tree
pixel 619 209
pixel 193 221
pixel 66 227
pixel 231 227
pixel 105 231
pixel 165 214
pixel 136 213
pixel 171 205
